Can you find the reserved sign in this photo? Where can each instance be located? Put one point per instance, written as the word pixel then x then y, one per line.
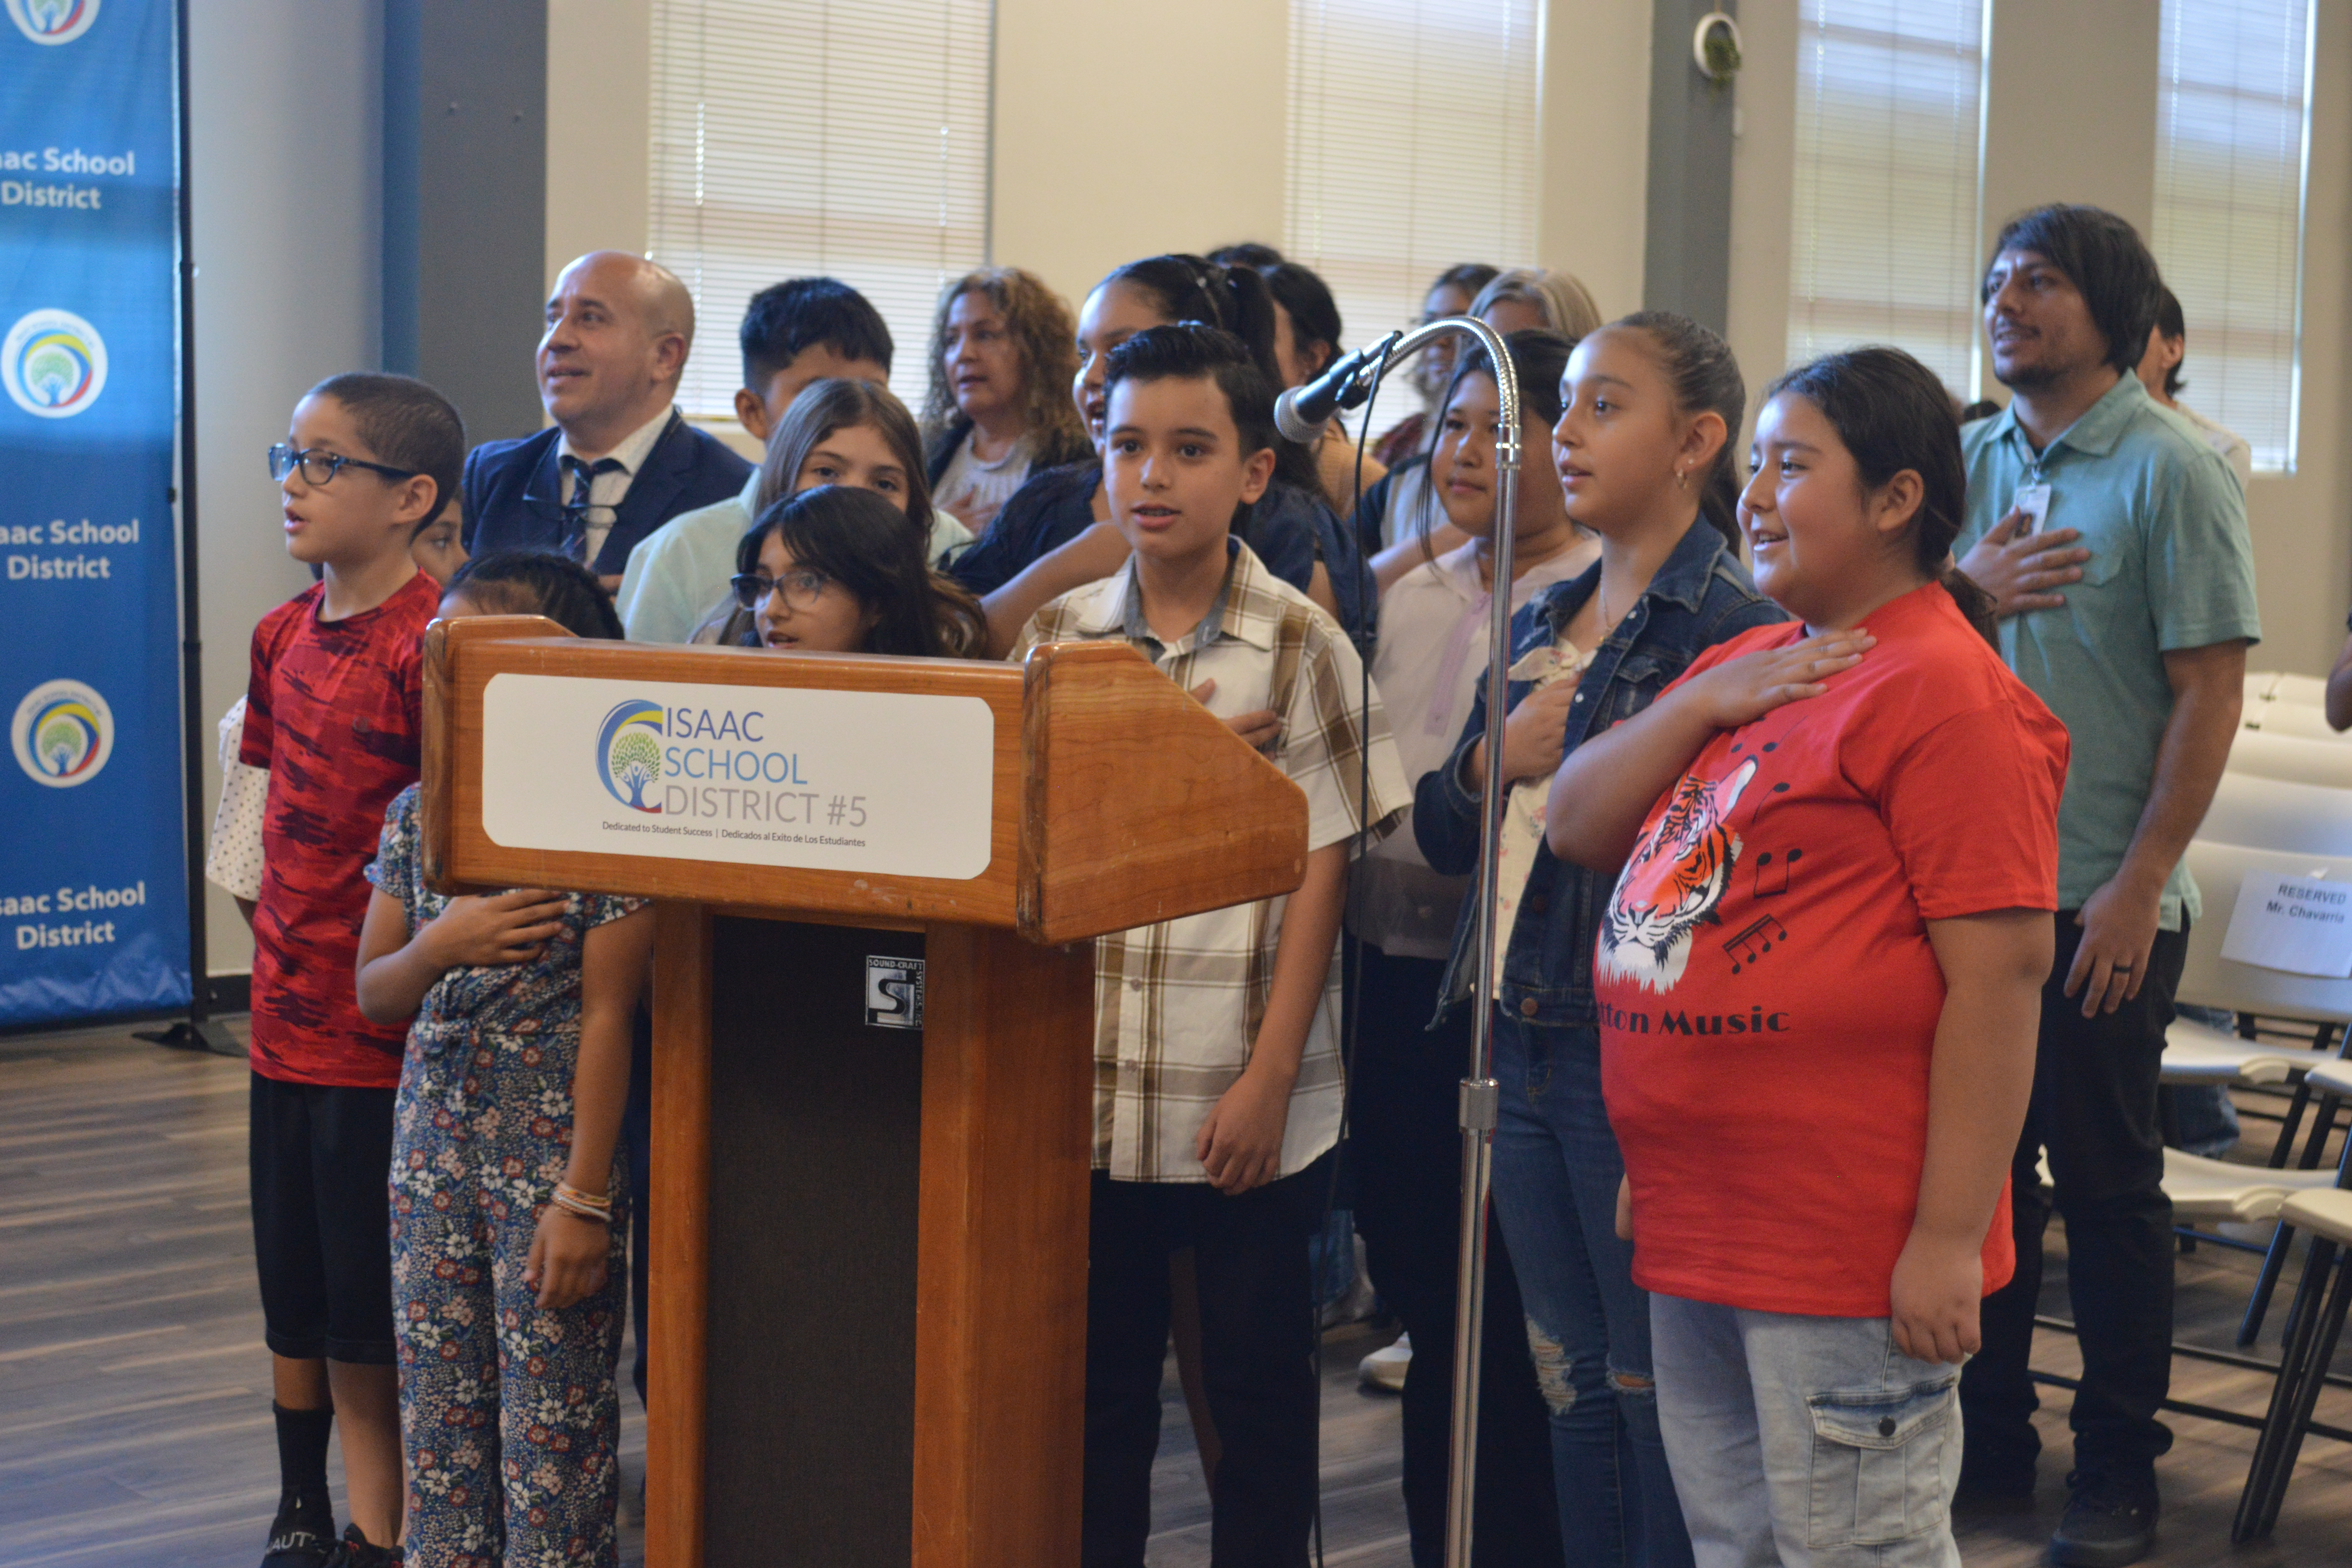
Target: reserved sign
pixel 2302 925
pixel 883 781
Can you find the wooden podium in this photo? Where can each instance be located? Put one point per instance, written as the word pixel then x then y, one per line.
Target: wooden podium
pixel 872 1086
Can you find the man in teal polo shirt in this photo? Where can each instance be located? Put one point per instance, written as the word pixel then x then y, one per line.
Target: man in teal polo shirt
pixel 2114 540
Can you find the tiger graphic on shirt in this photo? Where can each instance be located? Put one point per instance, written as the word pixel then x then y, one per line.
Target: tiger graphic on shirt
pixel 1679 873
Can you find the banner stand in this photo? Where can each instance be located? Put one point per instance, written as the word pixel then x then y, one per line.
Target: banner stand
pixel 201 1031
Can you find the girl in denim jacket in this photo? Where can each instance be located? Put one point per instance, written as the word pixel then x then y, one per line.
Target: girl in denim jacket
pixel 1650 405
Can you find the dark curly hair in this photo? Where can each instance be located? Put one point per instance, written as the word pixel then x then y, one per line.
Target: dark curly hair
pixel 1046 335
pixel 538 583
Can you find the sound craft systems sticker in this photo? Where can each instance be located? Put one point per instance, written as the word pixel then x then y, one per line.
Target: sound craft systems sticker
pixel 894 993
pixel 884 782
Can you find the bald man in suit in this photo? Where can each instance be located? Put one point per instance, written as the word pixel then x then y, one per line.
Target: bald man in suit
pixel 620 461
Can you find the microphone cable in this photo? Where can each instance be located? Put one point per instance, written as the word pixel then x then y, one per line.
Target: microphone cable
pixel 1351 964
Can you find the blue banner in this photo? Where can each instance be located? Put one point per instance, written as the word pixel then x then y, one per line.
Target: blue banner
pixel 93 863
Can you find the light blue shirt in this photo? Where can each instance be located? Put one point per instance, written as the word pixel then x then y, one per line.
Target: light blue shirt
pixel 2171 567
pixel 680 573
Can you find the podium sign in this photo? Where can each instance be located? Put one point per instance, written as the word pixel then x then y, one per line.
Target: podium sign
pixel 888 782
pixel 873 1041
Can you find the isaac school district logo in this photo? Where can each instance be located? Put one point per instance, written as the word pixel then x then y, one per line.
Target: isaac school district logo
pixel 64 734
pixel 53 21
pixel 629 752
pixel 54 364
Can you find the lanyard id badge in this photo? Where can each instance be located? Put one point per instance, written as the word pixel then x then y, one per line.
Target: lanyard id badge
pixel 2034 501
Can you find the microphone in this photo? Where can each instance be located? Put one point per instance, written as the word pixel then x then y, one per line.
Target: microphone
pixel 1299 413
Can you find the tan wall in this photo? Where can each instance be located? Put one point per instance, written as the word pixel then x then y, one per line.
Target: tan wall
pixel 598 97
pixel 1595 129
pixel 1125 128
pixel 2071 115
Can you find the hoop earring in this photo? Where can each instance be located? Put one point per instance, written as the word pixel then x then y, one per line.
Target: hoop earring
pixel 1682 479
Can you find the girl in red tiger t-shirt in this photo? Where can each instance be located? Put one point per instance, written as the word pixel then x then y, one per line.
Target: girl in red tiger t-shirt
pixel 1819 982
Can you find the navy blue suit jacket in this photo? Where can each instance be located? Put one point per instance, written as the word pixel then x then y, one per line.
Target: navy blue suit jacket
pixel 513 499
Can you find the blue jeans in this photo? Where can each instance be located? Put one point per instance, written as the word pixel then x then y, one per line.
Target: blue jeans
pixel 1556 1172
pixel 1806 1442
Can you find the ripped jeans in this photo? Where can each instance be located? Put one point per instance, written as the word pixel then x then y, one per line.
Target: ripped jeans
pixel 1806 1442
pixel 1556 1172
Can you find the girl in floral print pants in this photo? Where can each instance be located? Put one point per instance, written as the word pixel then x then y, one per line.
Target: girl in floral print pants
pixel 507 1308
pixel 509 1208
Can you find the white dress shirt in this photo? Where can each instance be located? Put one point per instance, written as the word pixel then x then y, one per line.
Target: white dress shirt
pixel 606 489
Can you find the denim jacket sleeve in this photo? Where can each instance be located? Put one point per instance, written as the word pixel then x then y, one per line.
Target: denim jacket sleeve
pixel 1445 814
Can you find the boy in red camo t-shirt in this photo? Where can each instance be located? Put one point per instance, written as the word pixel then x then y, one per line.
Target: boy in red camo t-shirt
pixel 1820 986
pixel 335 713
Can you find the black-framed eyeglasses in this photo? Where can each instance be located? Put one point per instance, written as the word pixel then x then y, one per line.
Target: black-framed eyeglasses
pixel 801 588
pixel 319 465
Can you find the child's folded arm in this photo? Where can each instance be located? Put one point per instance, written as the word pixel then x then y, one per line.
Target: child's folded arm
pixel 396 969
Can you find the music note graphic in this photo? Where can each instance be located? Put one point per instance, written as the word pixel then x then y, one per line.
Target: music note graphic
pixel 1753 941
pixel 1773 873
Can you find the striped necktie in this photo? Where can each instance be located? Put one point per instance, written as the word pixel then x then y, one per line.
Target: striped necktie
pixel 575 510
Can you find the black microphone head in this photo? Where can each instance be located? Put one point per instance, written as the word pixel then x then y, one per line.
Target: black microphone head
pixel 1294 424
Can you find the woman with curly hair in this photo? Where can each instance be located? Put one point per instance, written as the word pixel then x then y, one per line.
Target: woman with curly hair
pixel 1003 348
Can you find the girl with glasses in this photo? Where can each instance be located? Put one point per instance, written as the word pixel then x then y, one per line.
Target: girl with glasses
pixel 852 433
pixel 836 570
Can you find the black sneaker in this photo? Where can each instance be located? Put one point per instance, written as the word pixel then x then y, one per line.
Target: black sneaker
pixel 355 1550
pixel 2110 1523
pixel 303 1535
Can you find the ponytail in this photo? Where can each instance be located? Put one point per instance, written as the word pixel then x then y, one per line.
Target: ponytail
pixel 1975 604
pixel 1705 379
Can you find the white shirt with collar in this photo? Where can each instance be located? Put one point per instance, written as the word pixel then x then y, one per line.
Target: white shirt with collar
pixel 1177 1004
pixel 606 490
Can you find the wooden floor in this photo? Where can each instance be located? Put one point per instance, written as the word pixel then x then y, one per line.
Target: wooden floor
pixel 134 1389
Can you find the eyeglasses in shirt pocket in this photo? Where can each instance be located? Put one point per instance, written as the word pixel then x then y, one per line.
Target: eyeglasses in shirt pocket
pixel 1878 1461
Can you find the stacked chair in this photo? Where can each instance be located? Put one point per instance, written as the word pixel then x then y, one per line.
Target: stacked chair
pixel 2285 807
pixel 2314 1321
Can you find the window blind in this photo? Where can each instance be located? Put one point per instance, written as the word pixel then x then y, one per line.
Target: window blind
pixel 1411 143
pixel 1882 241
pixel 2232 152
pixel 792 137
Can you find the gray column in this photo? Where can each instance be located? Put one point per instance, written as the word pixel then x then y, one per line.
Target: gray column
pixel 1686 262
pixel 464 202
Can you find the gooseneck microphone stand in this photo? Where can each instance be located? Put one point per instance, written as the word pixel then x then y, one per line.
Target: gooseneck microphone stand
pixel 1478 1093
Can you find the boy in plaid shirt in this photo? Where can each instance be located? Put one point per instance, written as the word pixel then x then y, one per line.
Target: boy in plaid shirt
pixel 1218 1090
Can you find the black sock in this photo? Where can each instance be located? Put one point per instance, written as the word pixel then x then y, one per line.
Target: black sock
pixel 302 1459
